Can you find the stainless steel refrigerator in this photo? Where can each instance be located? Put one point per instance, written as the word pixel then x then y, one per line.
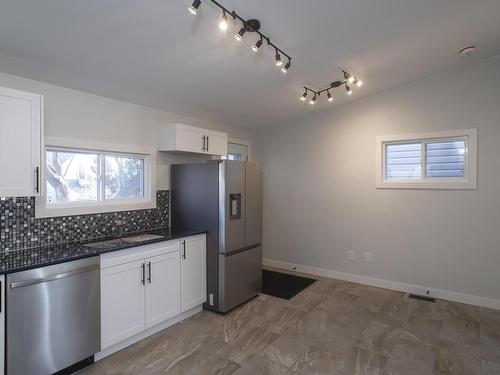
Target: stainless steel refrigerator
pixel 224 198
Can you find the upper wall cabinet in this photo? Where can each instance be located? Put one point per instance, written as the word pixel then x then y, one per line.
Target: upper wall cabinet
pixel 21 131
pixel 180 137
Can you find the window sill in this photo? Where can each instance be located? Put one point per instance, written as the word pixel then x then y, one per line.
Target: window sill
pixel 42 211
pixel 427 184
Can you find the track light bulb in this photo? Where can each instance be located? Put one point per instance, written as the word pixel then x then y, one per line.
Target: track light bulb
pixel 304 96
pixel 223 22
pixel 351 79
pixel 285 68
pixel 329 95
pixel 313 99
pixel 256 46
pixel 278 59
pixel 240 34
pixel 359 83
pixel 194 8
pixel 348 90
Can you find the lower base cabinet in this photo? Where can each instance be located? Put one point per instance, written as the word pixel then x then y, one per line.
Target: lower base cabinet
pixel 146 285
pixel 193 272
pixel 122 302
pixel 162 288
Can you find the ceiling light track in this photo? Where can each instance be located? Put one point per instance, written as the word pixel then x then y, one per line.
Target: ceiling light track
pixel 348 80
pixel 250 26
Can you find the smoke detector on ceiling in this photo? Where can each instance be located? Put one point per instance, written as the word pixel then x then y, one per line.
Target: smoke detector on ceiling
pixel 467 51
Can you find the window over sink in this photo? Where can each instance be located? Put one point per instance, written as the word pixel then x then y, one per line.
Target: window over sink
pixel 80 181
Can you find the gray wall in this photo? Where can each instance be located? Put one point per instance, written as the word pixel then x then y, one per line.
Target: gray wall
pixel 320 198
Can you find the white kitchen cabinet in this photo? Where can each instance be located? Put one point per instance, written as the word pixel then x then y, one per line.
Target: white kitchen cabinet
pixel 193 272
pixel 2 324
pixel 21 130
pixel 185 138
pixel 122 302
pixel 140 288
pixel 146 286
pixel 190 139
pixel 162 288
pixel 216 142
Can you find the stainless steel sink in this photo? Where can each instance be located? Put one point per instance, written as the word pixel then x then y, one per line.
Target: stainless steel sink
pixel 142 238
pixel 117 242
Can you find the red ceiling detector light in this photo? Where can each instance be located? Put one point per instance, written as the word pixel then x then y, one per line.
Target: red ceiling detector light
pixel 348 80
pixel 467 51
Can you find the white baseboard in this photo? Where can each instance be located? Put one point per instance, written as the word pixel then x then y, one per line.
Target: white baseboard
pixel 387 284
pixel 151 331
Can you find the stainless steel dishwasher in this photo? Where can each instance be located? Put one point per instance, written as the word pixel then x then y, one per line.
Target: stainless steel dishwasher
pixel 53 317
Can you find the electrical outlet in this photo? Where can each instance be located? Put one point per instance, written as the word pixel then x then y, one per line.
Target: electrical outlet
pixel 350 254
pixel 368 257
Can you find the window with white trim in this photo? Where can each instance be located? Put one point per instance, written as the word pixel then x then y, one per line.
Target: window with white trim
pixel 84 177
pixel 443 160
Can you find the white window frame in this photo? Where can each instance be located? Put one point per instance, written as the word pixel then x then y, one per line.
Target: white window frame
pixel 43 209
pixel 469 181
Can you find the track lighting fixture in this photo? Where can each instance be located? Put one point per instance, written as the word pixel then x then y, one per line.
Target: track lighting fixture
pixel 348 78
pixel 257 45
pixel 223 22
pixel 240 34
pixel 251 25
pixel 285 68
pixel 278 59
pixel 194 8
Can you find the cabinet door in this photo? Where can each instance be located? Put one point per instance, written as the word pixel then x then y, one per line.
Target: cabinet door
pixel 122 302
pixel 163 290
pixel 20 143
pixel 193 272
pixel 2 324
pixel 217 143
pixel 190 139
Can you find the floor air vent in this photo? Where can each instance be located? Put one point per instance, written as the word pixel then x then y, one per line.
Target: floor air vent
pixel 422 298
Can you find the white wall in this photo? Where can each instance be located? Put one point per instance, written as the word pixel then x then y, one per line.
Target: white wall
pixel 320 198
pixel 76 114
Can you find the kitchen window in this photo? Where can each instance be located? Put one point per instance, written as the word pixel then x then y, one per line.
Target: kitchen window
pixel 81 181
pixel 444 160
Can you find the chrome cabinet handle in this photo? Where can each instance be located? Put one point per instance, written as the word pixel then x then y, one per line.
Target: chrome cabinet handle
pixel 183 249
pixel 207 143
pixel 149 272
pixel 203 144
pixel 19 284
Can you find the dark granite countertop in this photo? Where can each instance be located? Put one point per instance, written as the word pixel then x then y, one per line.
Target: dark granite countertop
pixel 21 260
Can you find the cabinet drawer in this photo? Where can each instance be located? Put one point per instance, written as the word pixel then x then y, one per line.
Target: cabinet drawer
pixel 138 253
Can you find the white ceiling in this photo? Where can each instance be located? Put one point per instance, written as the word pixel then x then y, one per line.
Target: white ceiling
pixel 155 53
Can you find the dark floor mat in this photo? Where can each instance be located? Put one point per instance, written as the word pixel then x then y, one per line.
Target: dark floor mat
pixel 283 285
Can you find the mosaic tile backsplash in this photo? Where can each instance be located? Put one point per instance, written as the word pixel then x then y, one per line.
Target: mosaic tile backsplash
pixel 19 229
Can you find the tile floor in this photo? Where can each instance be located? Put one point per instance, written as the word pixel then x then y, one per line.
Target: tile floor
pixel 332 327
